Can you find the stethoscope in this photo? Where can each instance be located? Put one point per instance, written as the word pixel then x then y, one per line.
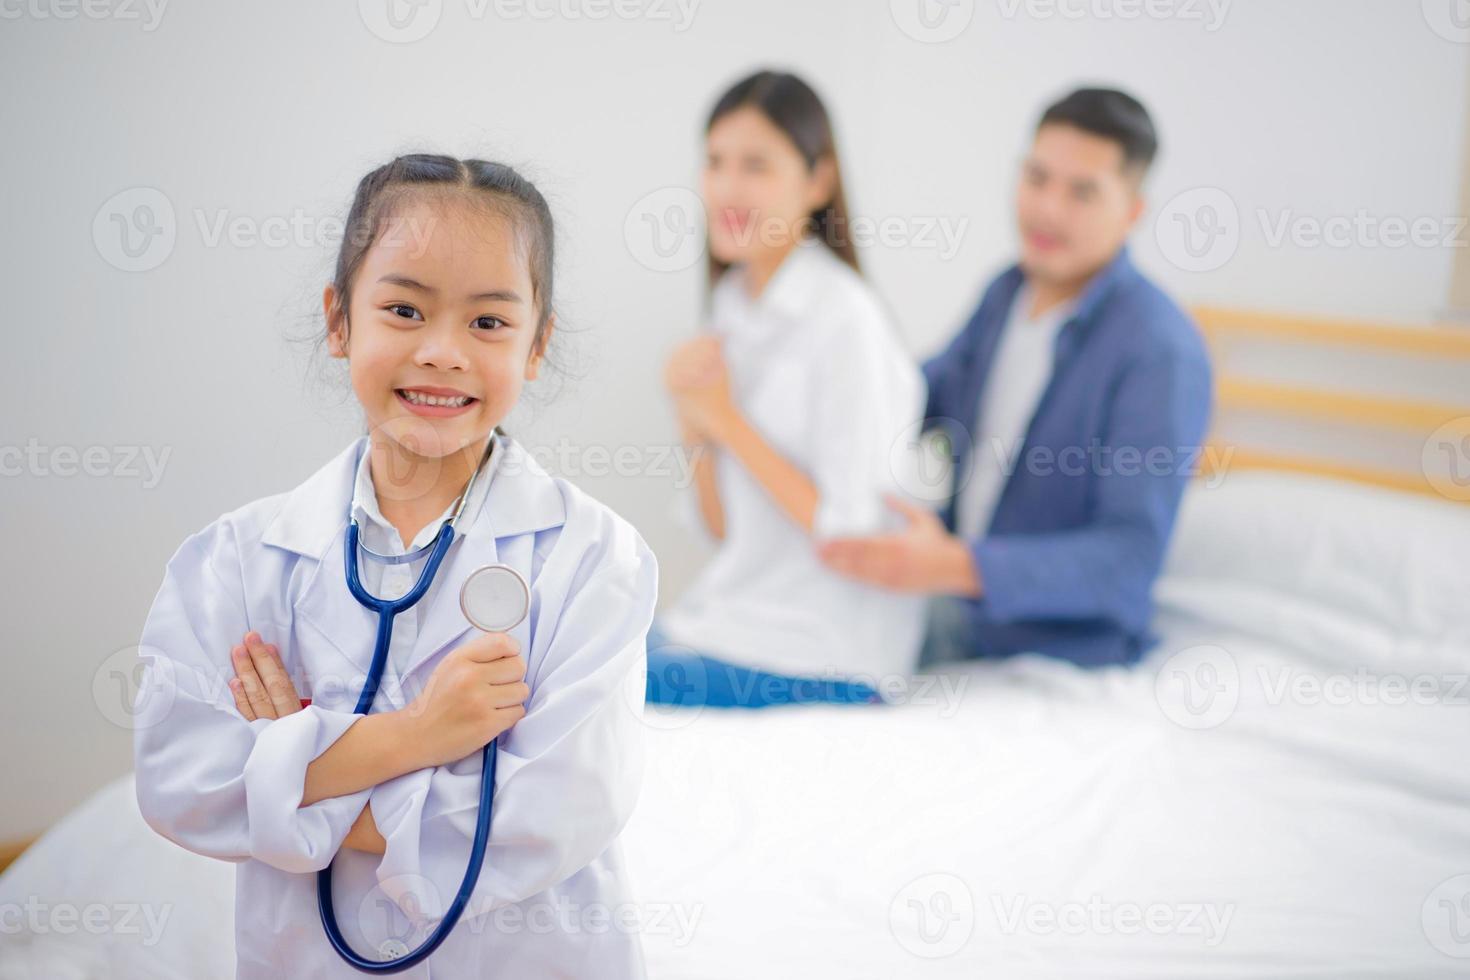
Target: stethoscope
pixel 494 598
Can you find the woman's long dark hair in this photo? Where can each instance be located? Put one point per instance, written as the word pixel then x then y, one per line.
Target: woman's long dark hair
pixel 794 108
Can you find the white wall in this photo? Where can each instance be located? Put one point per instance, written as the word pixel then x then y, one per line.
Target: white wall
pixel 274 109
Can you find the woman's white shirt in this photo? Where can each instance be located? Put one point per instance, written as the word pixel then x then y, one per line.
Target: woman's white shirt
pixel 815 364
pixel 567 773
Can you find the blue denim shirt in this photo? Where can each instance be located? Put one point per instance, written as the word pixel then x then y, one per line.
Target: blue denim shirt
pixel 1080 530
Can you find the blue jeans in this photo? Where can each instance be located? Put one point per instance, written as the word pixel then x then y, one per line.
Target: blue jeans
pixel 680 676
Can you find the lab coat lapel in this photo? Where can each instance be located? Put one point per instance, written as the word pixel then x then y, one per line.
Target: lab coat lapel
pixel 444 623
pixel 349 627
pixel 312 522
pixel 521 499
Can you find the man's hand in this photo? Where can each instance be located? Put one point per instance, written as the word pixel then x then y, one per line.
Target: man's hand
pixel 923 557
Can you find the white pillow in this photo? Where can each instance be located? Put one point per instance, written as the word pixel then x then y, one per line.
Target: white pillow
pixel 1378 574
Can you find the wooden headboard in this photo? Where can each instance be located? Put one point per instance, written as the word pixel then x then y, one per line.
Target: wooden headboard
pixel 12 849
pixel 1376 403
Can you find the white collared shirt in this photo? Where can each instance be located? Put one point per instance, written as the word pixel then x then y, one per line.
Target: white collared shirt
pixel 377 533
pixel 816 366
pixel 1019 374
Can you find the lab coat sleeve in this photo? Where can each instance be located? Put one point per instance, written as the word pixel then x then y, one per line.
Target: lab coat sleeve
pixel 568 772
pixel 207 779
pixel 859 417
pixel 1106 569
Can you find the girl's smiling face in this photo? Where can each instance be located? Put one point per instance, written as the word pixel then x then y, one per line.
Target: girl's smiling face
pixel 441 325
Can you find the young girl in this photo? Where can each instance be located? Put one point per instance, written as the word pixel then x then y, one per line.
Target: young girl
pixel 441 305
pixel 808 401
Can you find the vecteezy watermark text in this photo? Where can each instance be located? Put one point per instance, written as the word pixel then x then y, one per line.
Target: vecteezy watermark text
pixel 118 462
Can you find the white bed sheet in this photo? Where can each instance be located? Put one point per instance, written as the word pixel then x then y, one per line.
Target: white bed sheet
pixel 1009 832
pixel 1291 839
pixel 1021 819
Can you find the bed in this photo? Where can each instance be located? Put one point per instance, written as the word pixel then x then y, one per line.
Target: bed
pixel 1279 789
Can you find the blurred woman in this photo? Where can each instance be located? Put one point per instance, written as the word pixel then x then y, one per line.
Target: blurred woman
pixel 805 403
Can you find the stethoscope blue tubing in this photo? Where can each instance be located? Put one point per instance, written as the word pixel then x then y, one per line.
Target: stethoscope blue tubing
pixel 386 609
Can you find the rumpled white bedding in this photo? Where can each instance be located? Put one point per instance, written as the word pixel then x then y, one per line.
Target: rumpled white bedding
pixel 1060 824
pixel 1281 789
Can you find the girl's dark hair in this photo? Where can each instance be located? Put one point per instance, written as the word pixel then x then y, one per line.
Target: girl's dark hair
pixel 494 185
pixel 795 109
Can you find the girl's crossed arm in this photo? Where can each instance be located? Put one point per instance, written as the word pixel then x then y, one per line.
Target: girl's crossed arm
pixel 473 695
pixel 207 778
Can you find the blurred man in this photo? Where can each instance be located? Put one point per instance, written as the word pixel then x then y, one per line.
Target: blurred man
pixel 1075 401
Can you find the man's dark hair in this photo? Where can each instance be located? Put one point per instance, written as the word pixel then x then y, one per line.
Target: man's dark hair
pixel 1113 115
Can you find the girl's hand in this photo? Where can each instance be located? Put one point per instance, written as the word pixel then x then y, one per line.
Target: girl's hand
pixel 261 686
pixel 697 378
pixel 474 694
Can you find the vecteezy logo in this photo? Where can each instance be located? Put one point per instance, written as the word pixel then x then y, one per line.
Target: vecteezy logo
pixel 1445 917
pixel 933 915
pixel 932 21
pixel 923 462
pixel 664 231
pixel 135 687
pixel 400 21
pixel 678 684
pixel 135 230
pixel 1199 230
pixel 1450 19
pixel 1198 687
pixel 395 915
pixel 1446 459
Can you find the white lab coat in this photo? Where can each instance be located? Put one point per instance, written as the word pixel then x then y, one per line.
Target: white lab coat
pixel 552 899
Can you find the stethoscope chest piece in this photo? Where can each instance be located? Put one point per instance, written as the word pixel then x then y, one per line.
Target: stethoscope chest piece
pixel 495 598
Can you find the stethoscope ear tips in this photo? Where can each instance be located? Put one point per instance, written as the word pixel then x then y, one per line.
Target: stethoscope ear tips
pixel 495 598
